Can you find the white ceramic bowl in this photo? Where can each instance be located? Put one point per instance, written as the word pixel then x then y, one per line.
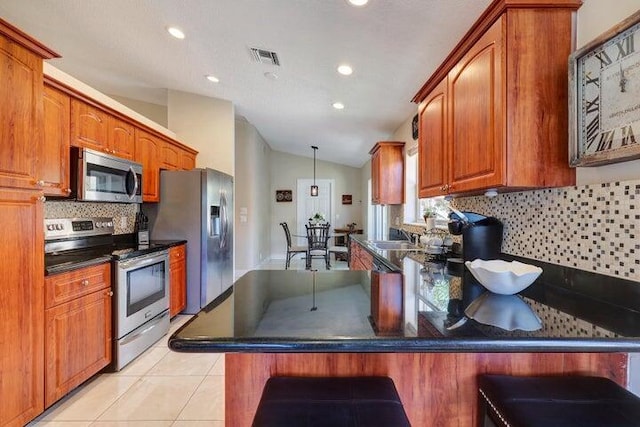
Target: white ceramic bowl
pixel 502 277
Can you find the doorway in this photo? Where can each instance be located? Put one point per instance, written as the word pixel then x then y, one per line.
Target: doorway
pixel 307 206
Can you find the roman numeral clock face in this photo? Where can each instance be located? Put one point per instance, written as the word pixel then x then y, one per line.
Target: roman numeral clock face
pixel 608 99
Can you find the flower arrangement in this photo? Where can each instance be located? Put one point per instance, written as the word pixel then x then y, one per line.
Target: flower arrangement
pixel 429 212
pixel 317 217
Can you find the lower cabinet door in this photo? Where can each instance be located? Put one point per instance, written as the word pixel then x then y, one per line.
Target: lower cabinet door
pixel 178 293
pixel 77 343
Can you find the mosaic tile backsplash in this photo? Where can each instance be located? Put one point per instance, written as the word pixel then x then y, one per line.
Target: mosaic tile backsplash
pixel 123 214
pixel 593 227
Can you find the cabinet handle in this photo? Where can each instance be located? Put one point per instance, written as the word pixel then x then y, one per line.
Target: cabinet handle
pixel 85 282
pixel 42 199
pixel 40 183
pixel 67 190
pixel 109 293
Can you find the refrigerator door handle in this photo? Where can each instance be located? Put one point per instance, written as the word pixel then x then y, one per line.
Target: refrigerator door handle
pixel 225 221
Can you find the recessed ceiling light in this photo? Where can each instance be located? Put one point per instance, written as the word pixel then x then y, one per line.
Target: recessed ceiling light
pixel 358 2
pixel 212 78
pixel 338 105
pixel 176 32
pixel 271 75
pixel 345 70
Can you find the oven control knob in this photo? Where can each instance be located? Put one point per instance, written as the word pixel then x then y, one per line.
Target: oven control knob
pixel 58 226
pixel 110 224
pixel 98 224
pixel 50 227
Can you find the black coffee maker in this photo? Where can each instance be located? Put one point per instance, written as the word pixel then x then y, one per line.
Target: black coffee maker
pixel 481 238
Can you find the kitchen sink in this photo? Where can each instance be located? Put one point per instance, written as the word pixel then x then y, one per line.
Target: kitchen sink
pixel 394 245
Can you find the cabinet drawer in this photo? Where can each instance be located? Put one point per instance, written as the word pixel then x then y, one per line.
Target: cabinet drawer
pixel 177 253
pixel 64 287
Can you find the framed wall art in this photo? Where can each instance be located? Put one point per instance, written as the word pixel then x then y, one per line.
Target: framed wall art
pixel 284 195
pixel 346 199
pixel 414 127
pixel 604 97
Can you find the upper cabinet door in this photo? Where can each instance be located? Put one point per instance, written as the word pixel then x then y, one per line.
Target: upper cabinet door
pixel 475 93
pixel 187 161
pixel 432 143
pixel 20 114
pixel 148 149
pixel 54 164
pixel 89 127
pixel 170 157
pixel 387 173
pixel 121 138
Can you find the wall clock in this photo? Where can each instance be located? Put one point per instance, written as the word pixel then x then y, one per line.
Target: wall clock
pixel 604 97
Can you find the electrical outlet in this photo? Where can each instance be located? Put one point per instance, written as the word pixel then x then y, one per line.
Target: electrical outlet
pixel 123 222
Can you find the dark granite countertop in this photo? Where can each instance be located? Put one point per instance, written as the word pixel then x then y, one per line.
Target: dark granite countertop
pixel 331 311
pixel 123 246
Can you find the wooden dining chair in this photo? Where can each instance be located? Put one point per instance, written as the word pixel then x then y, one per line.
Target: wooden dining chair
pixel 291 249
pixel 318 243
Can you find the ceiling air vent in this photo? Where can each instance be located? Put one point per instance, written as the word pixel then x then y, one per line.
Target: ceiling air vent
pixel 264 56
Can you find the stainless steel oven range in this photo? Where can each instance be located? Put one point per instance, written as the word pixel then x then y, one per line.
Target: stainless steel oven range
pixel 142 310
pixel 140 278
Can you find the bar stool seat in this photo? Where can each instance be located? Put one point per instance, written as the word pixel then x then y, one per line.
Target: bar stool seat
pixel 330 402
pixel 561 401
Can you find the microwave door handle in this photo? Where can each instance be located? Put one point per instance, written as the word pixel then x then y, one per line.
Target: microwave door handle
pixel 135 183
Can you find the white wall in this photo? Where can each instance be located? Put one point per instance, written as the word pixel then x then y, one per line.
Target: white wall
pixel 205 124
pixel 155 112
pixel 252 197
pixel 594 18
pixel 285 171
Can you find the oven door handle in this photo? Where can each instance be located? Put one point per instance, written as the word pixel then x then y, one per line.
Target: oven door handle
pixel 143 261
pixel 152 324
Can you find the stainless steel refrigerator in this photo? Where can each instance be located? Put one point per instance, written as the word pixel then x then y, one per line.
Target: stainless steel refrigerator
pixel 197 206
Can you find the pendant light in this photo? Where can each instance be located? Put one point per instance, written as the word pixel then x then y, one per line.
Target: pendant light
pixel 314 187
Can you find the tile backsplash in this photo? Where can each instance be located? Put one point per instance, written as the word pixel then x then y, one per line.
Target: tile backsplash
pixel 593 227
pixel 123 214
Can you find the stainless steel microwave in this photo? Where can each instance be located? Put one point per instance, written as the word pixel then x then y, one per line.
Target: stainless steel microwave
pixel 99 177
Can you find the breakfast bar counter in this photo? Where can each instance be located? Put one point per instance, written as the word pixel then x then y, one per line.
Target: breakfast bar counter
pixel 418 311
pixel 409 326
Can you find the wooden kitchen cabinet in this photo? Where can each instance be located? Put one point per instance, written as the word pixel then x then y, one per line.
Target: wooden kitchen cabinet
pixel 387 293
pixel 187 160
pixel 94 128
pixel 178 289
pixel 359 259
pixel 21 306
pixel 147 153
pixel 170 156
pixel 22 237
pixel 476 142
pixel 432 143
pixel 78 328
pixel 387 173
pixel 21 107
pixel 54 155
pixel 505 104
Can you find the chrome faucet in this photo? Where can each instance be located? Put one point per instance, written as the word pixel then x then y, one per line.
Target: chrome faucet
pixel 407 235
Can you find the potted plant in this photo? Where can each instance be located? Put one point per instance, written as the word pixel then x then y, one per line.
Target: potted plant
pixel 429 215
pixel 316 218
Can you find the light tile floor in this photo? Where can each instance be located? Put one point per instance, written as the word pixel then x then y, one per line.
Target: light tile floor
pixel 160 388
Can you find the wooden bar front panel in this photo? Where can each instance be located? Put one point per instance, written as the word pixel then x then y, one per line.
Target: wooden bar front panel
pixel 437 389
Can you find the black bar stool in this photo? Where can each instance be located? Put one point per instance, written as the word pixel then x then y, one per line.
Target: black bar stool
pixel 562 401
pixel 330 402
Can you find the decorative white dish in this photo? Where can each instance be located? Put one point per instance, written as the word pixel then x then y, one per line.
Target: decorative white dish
pixel 508 312
pixel 503 277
